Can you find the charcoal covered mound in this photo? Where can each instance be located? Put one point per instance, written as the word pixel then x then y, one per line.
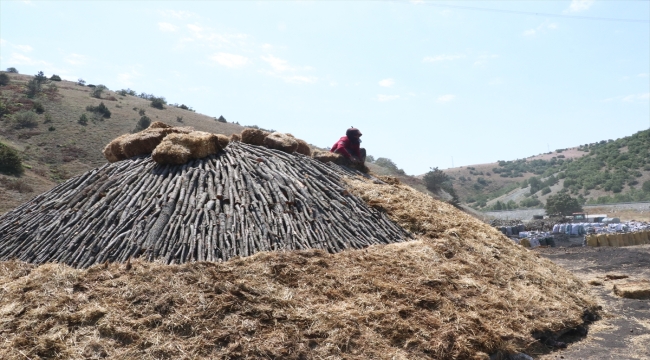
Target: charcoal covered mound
pixel 243 200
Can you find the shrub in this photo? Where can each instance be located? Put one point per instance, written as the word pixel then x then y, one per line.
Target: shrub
pixel 435 180
pixel 3 109
pixel 83 120
pixel 221 119
pixel 81 82
pixel 99 109
pixel 25 119
pixel 10 162
pixel 12 70
pixel 40 77
pixel 141 112
pixel 38 107
pixel 158 102
pixel 529 202
pixel 33 88
pixel 4 79
pixel 179 119
pixel 562 204
pixel 97 91
pixel 390 165
pixel 55 78
pixel 51 128
pixel 48 118
pixel 142 124
pixel 546 190
pixel 646 186
pixel 16 185
pixel 370 158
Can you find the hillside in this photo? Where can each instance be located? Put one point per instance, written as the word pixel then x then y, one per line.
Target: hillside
pixel 56 146
pixel 603 172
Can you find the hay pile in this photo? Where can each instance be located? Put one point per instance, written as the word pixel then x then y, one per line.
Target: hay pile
pixel 461 291
pixel 140 143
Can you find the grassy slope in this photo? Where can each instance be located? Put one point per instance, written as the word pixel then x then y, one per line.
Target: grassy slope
pixel 505 189
pixel 73 148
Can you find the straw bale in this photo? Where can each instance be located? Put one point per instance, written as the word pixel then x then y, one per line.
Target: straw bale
pixel 235 137
pixel 140 143
pixel 180 148
pixel 303 147
pixel 633 290
pixel 281 141
pixel 253 136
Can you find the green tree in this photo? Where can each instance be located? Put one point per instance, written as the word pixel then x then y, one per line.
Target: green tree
pixel 4 79
pixel 12 70
pixel 40 77
pixel 142 124
pixel 562 204
pixel 10 162
pixel 55 78
pixel 158 102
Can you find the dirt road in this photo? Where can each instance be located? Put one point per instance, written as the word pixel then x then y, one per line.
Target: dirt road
pixel 624 330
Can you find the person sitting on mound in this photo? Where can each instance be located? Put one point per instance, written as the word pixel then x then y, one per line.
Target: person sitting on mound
pixel 349 146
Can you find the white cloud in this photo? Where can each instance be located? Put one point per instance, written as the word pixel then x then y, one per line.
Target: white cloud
pixel 282 26
pixel 230 60
pixel 333 83
pixel 446 98
pixel 280 68
pixel 267 46
pixel 76 59
pixel 20 59
pixel 643 75
pixel 579 5
pixel 277 64
pixel 3 42
pixel 126 78
pixel 417 2
pixel 636 97
pixel 383 98
pixel 541 28
pixel 23 48
pixel 446 13
pixel 530 32
pixel 633 98
pixel 483 59
pixel 433 59
pixel 387 82
pixel 167 27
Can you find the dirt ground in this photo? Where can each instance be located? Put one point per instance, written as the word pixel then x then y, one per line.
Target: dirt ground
pixel 623 332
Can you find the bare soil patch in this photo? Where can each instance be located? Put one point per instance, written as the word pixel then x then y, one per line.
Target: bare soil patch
pixel 624 330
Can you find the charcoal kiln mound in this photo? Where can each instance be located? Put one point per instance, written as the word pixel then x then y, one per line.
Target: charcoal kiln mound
pixel 458 290
pixel 240 201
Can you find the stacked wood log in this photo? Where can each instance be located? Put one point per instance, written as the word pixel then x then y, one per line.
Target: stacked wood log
pixel 240 201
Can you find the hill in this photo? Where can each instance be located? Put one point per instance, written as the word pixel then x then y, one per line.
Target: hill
pixel 55 146
pixel 603 172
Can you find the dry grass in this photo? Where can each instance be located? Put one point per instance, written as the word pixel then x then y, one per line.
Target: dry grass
pixel 140 143
pixel 462 290
pixel 180 148
pixel 633 290
pixel 253 136
pixel 281 141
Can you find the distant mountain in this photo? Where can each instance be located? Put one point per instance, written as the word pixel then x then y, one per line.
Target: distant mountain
pixel 603 172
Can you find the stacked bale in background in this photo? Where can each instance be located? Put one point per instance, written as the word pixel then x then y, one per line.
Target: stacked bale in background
pixel 619 239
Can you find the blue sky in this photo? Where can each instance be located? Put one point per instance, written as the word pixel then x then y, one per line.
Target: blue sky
pixel 424 80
